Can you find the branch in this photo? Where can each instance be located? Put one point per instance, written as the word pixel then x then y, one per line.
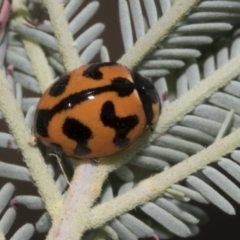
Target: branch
pixel 39 63
pixel 84 189
pixel 2 236
pixel 186 103
pixel 32 156
pixel 78 229
pixel 152 187
pixel 157 33
pixel 34 51
pixel 64 36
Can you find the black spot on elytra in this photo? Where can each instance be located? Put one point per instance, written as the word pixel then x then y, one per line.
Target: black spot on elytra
pixel 93 71
pixel 121 86
pixel 78 132
pixel 59 86
pixel 124 89
pixel 41 122
pixel 148 95
pixel 122 126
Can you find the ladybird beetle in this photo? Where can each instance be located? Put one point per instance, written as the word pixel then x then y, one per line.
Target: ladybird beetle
pixel 96 110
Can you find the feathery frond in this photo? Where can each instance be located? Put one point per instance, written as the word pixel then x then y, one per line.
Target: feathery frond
pixel 197 46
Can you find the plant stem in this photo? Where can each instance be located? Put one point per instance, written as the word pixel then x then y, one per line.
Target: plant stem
pixel 33 158
pixel 151 188
pixel 34 51
pixel 157 33
pixel 82 193
pixel 64 36
pixel 85 188
pixel 186 103
pixel 2 236
pixel 39 63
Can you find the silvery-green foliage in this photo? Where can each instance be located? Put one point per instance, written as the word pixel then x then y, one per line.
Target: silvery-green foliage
pixel 198 46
